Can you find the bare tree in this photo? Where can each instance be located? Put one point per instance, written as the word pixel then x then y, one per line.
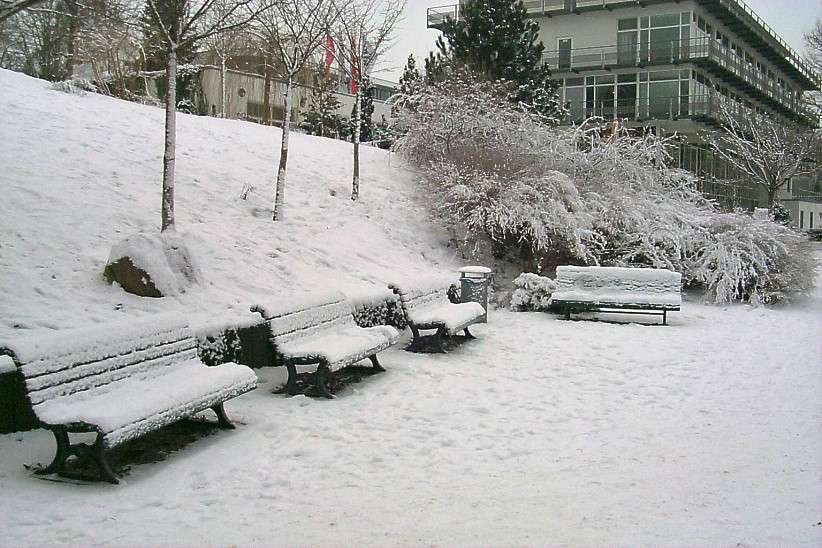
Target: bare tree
pixel 9 8
pixel 183 23
pixel 813 42
pixel 293 32
pixel 767 151
pixel 223 46
pixel 363 36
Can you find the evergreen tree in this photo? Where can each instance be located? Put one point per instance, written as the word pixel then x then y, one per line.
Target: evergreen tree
pixel 321 118
pixel 495 38
pixel 410 80
pixel 367 123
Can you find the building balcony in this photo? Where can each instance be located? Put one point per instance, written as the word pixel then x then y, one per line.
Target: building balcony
pixel 704 52
pixel 706 108
pixel 536 8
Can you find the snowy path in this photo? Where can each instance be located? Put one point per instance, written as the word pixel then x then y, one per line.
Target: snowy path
pixel 543 431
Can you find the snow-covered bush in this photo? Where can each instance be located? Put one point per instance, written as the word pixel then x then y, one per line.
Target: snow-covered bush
pixel 592 194
pixel 532 292
pixel 75 86
pixel 750 260
pixel 486 171
pixel 383 311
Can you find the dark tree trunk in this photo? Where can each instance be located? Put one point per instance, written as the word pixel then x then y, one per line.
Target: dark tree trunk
pixel 170 142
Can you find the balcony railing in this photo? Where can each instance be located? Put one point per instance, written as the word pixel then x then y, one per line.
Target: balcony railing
pixel 707 106
pixel 669 53
pixel 438 15
pixel 795 58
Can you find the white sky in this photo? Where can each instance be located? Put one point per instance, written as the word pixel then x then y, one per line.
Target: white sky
pixel 790 18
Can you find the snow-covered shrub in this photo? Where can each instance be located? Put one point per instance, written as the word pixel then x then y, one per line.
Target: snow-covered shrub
pixel 483 157
pixel 593 194
pixel 533 292
pixel 385 311
pixel 750 260
pixel 75 86
pixel 222 347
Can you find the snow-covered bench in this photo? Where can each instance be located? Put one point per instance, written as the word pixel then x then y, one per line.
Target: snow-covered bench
pixel 611 289
pixel 322 331
pixel 426 306
pixel 120 380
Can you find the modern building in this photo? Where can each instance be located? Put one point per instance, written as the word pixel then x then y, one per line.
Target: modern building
pixel 671 66
pixel 245 90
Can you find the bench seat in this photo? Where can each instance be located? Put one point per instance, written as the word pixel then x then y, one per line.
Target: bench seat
pixel 320 330
pixel 161 397
pixel 452 317
pixel 341 347
pixel 617 289
pixel 119 380
pixel 426 306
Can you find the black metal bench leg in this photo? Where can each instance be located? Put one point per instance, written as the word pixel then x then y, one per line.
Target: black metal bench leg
pixel 568 313
pixel 664 317
pixel 375 362
pixel 291 385
pixel 415 341
pixel 320 380
pixel 468 334
pixel 438 340
pixel 222 418
pixel 99 454
pixel 61 436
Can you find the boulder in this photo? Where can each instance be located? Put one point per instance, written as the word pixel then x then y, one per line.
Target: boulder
pixel 152 265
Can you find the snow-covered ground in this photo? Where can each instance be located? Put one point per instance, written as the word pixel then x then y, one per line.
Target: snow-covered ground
pixel 80 173
pixel 542 431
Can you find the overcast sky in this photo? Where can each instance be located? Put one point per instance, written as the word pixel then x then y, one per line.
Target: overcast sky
pixel 790 18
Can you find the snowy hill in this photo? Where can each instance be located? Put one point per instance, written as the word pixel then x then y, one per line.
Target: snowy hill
pixel 82 172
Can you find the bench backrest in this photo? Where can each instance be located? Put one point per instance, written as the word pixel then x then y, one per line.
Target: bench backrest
pixel 420 296
pixel 615 281
pixel 76 360
pixel 293 321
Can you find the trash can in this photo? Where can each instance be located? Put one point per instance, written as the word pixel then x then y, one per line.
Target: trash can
pixel 474 282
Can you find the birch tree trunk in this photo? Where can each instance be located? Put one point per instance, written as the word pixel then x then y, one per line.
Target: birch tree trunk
pixel 222 87
pixel 355 184
pixel 281 171
pixel 171 141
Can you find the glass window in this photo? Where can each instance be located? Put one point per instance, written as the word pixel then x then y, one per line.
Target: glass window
pixel 801 219
pixel 664 75
pixel 575 102
pixel 664 44
pixel 663 99
pixel 574 81
pixel 564 46
pixel 665 20
pixel 626 24
pixel 626 100
pixel 627 43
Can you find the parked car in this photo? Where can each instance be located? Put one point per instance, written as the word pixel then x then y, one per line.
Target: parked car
pixel 815 234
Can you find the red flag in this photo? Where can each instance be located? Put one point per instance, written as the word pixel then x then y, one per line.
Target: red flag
pixel 355 74
pixel 330 50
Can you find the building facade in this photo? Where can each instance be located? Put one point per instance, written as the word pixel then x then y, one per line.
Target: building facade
pixel 671 66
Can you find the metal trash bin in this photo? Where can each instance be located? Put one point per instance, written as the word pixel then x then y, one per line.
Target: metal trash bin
pixel 474 282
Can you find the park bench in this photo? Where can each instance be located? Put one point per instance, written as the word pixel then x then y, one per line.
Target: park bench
pixel 426 306
pixel 618 290
pixel 322 332
pixel 119 380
